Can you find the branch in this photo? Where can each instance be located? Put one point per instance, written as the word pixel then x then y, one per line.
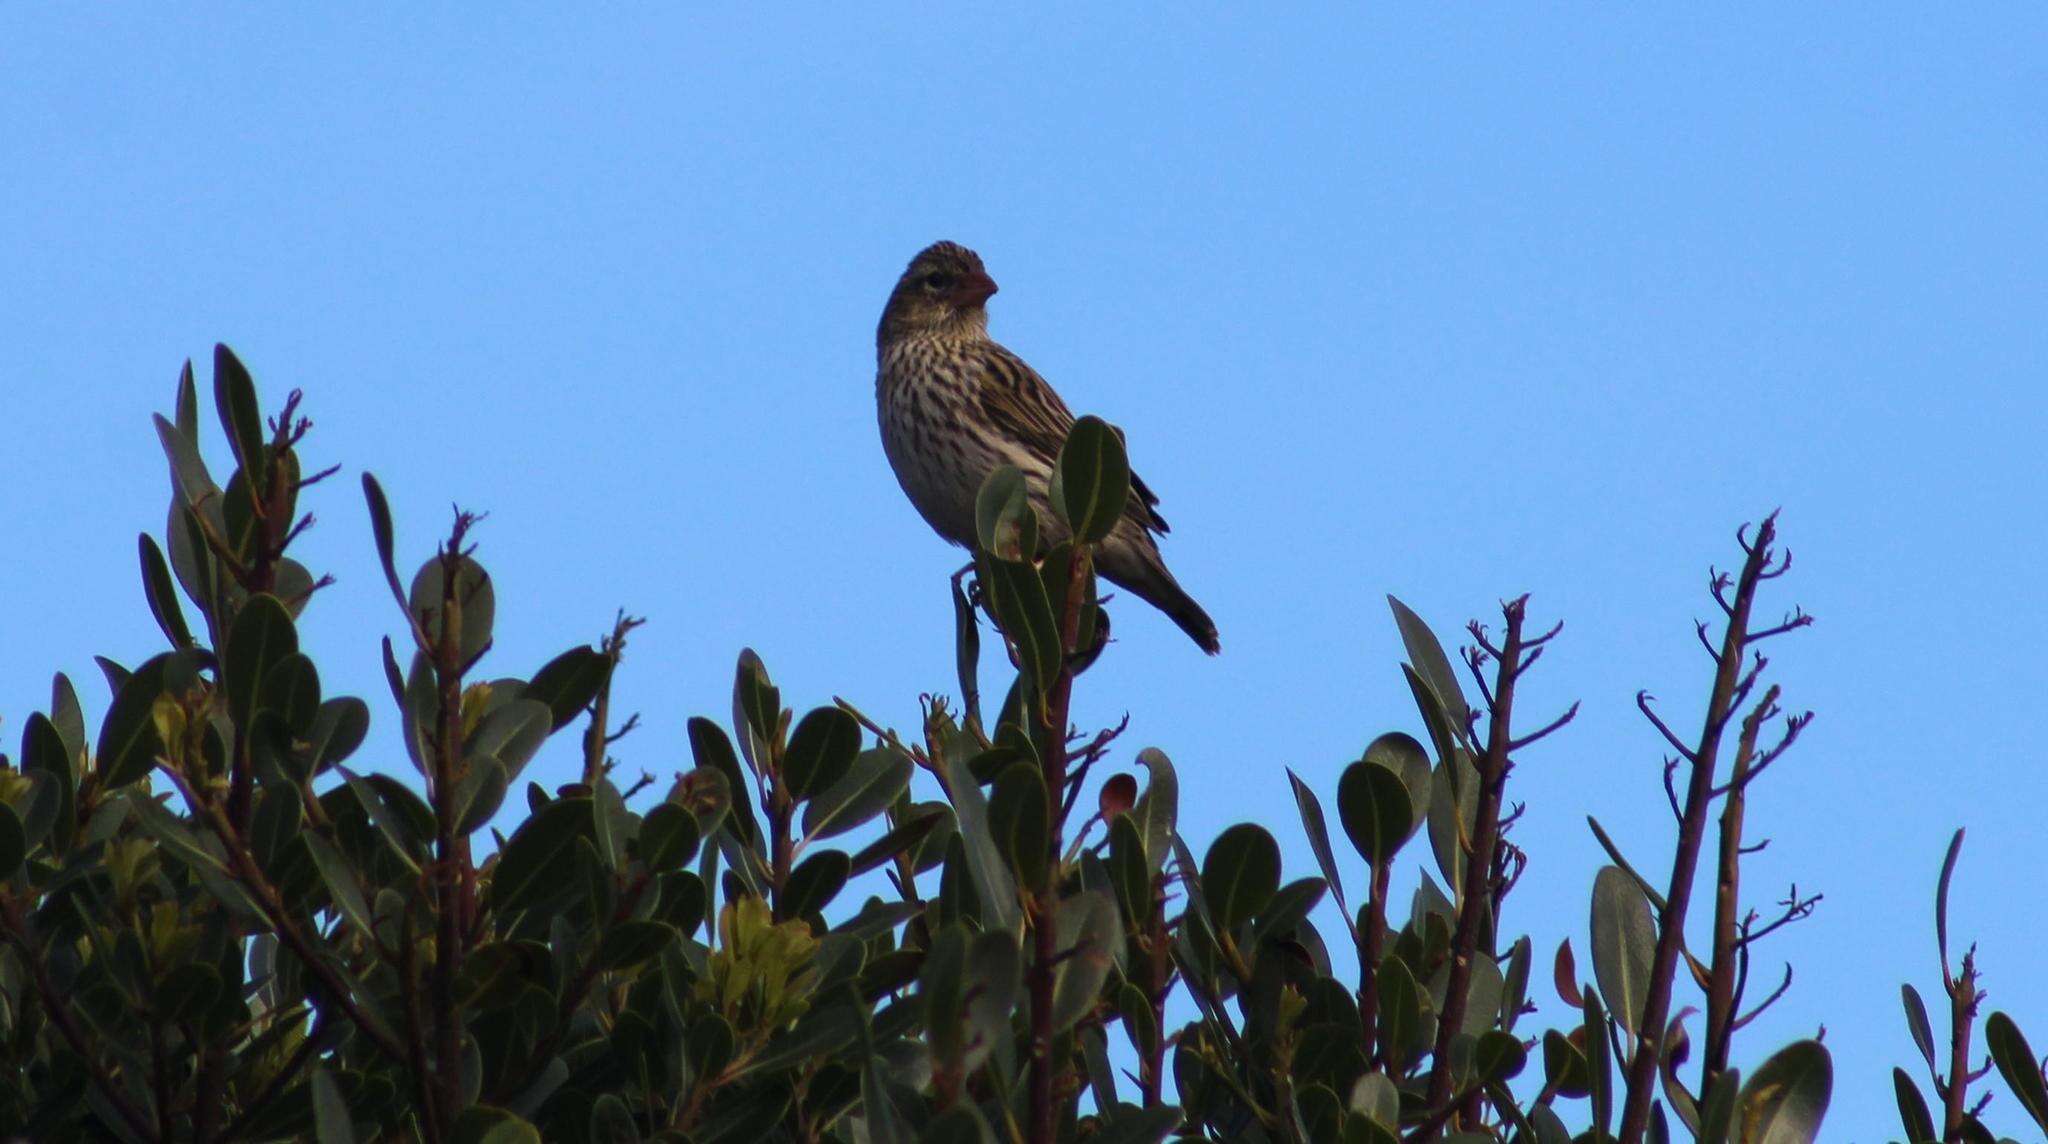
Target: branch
pixel 60 1015
pixel 282 923
pixel 1730 684
pixel 1547 729
pixel 1767 1002
pixel 1643 701
pixel 1475 898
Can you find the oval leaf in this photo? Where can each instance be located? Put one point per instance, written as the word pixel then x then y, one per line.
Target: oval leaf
pixel 1092 480
pixel 2018 1065
pixel 814 883
pixel 474 598
pixel 1624 944
pixel 1004 523
pixel 820 751
pixel 1372 803
pixel 1784 1101
pixel 1240 874
pixel 569 683
pixel 869 787
pixel 1019 816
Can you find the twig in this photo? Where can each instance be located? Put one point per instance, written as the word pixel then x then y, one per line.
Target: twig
pixel 1730 684
pixel 1475 899
pixel 59 1012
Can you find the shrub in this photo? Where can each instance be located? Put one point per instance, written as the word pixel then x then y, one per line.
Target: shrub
pixel 215 928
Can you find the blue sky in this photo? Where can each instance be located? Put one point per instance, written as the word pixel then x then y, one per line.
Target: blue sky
pixel 1454 307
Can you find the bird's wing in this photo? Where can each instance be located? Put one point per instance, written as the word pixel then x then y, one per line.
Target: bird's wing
pixel 1025 408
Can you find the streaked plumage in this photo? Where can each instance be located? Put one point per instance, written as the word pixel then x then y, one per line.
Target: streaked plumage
pixel 954 405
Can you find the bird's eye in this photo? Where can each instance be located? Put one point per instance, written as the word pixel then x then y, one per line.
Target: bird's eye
pixel 938 280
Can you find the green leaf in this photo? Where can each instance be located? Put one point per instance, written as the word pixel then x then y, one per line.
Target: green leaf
pixel 234 398
pixel 879 1117
pixel 1087 931
pixel 240 523
pixel 186 404
pixel 569 683
pixel 331 1123
pixel 1400 1012
pixel 961 1124
pixel 159 593
pixel 171 833
pixel 1564 1065
pixel 291 689
pixel 1005 526
pixel 1158 809
pixel 1092 480
pixel 1288 909
pixel 44 751
pixel 513 733
pixel 1401 754
pixel 1020 818
pixel 683 900
pixel 995 974
pixel 869 787
pixel 1948 871
pixel 2018 1065
pixel 668 837
pixel 338 729
pixel 528 860
pixel 1499 1056
pixel 1375 1097
pixel 1311 810
pixel 1784 1100
pixel 1372 803
pixel 262 635
pixel 1454 800
pixel 186 992
pixel 340 879
pixel 13 842
pixel 1916 1023
pixel 1624 945
pixel 942 994
pixel 1129 873
pixel 380 530
pixel 1026 616
pixel 37 808
pixel 1432 665
pixel 68 718
pixel 611 1122
pixel 1132 1125
pixel 481 793
pixel 1913 1114
pixel 903 839
pixel 190 482
pixel 1599 1081
pixel 1240 874
pixel 129 743
pixel 821 749
pixel 631 942
pixel 967 652
pixel 993 882
pixel 813 884
pixel 756 710
pixel 713 752
pixel 280 814
pixel 474 598
pixel 483 1124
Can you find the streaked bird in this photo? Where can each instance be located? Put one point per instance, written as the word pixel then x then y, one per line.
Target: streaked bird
pixel 955 405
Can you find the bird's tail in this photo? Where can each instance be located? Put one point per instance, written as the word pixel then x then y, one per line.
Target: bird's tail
pixel 1156 586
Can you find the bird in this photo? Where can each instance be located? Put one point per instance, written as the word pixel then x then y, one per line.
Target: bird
pixel 955 405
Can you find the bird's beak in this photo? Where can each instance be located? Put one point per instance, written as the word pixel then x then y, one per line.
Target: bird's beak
pixel 974 289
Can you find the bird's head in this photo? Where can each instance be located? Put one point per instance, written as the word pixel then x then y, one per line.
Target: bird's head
pixel 942 291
